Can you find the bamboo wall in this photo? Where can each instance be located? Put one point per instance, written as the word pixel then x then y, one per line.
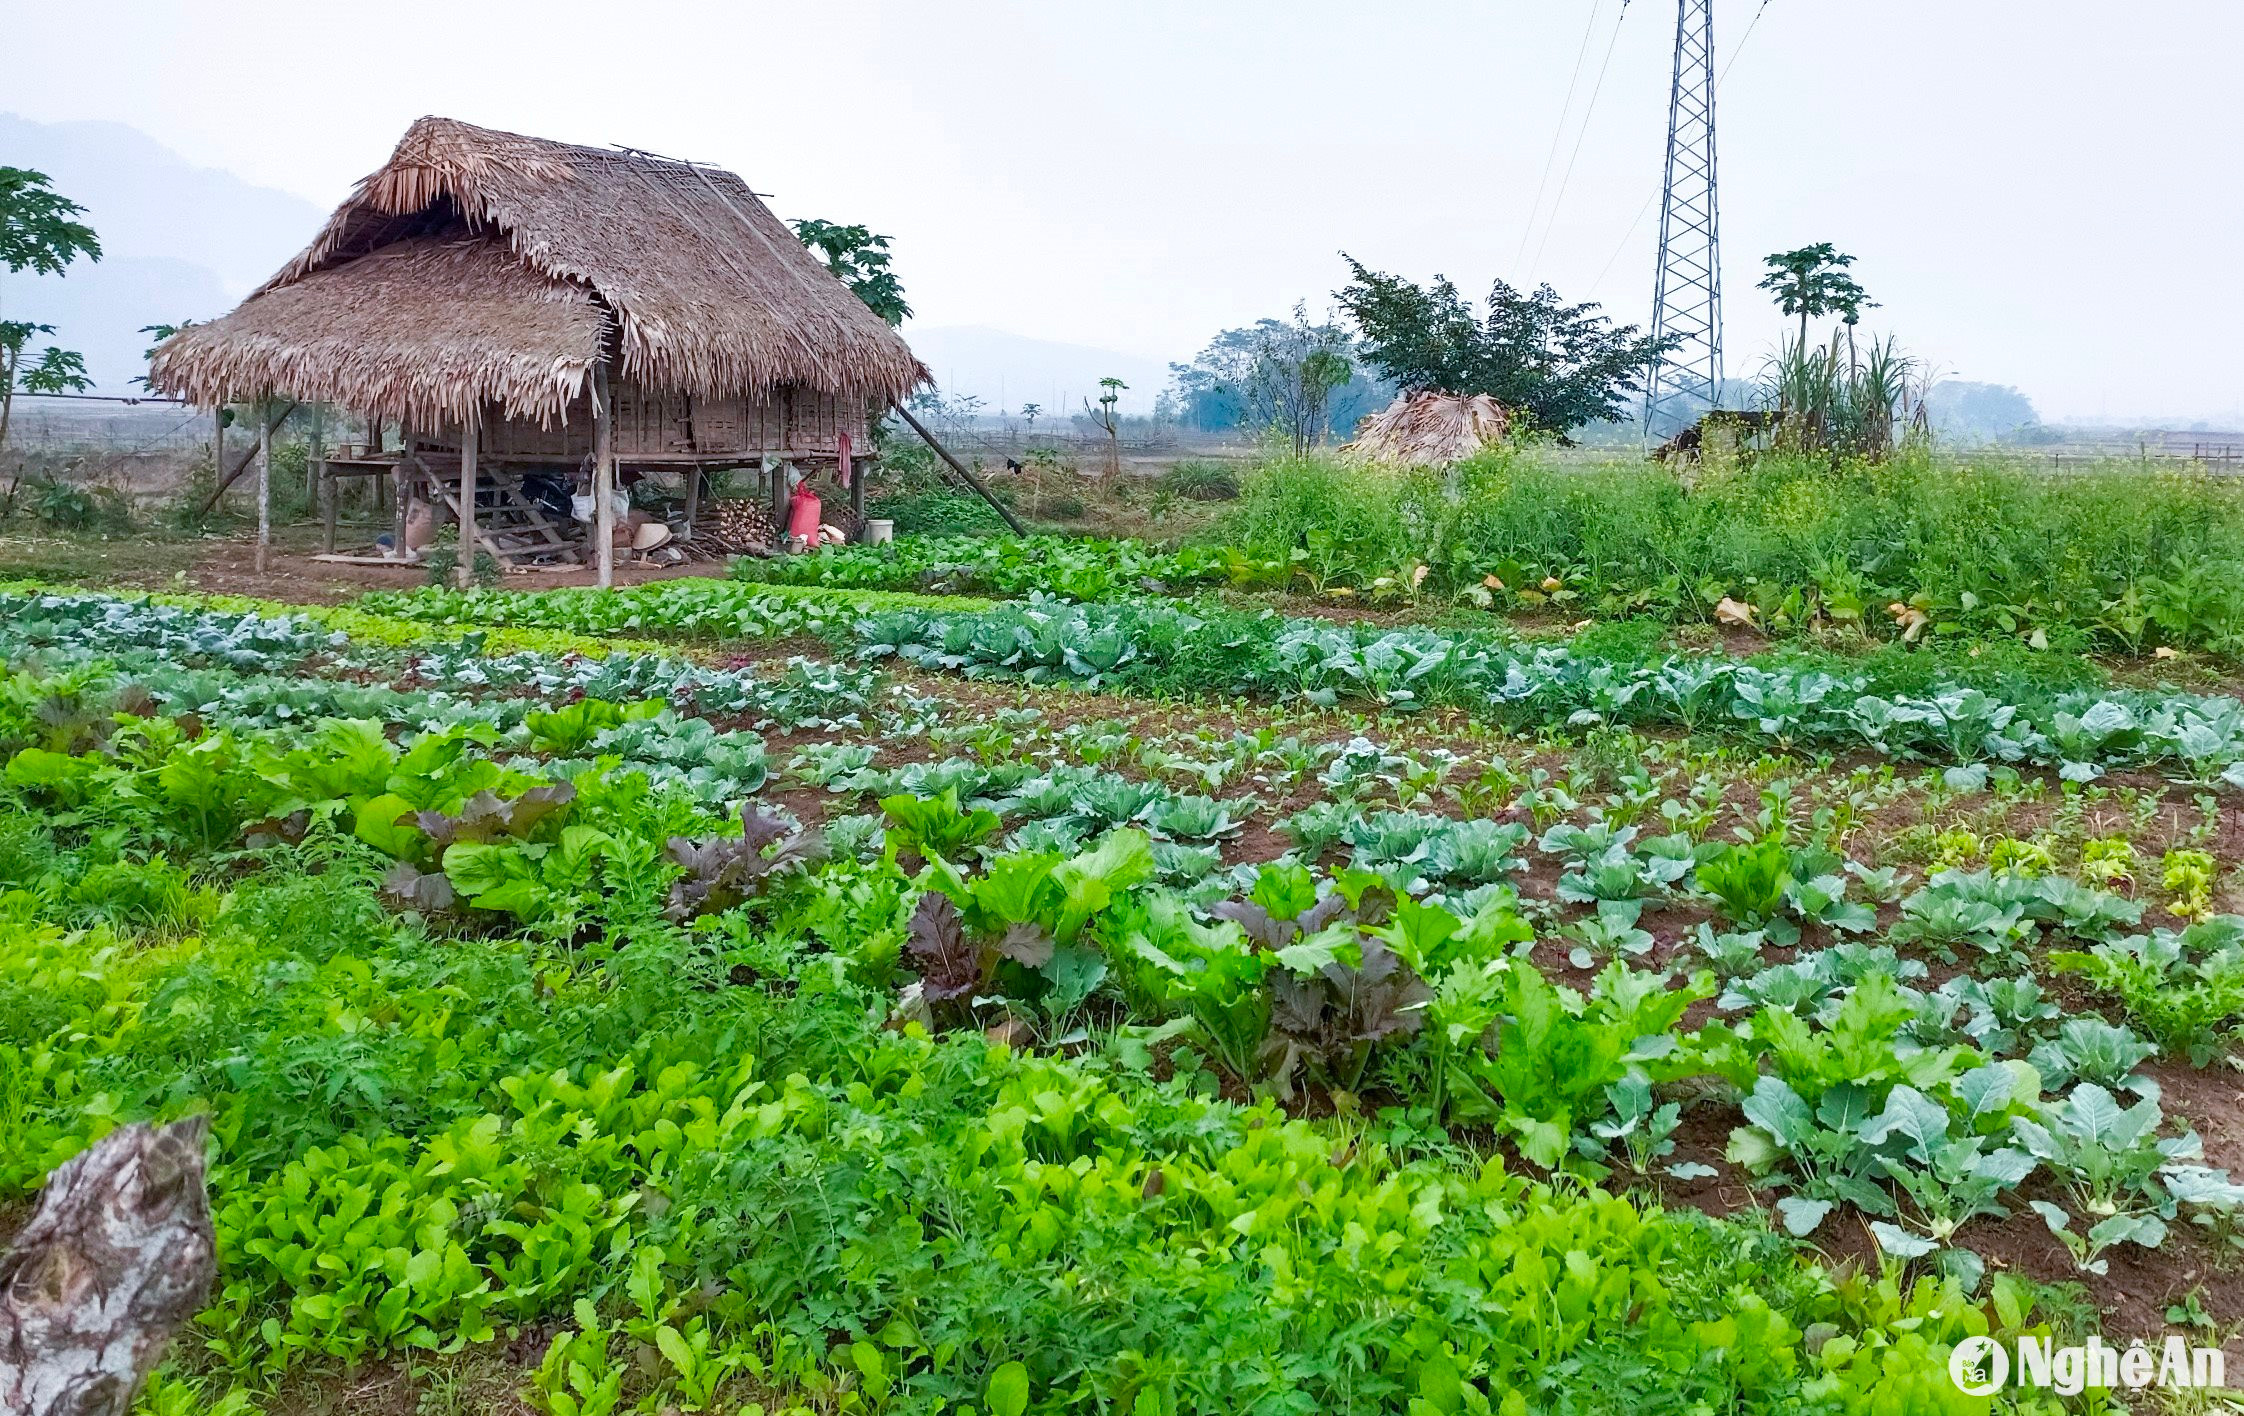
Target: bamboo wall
pixel 653 425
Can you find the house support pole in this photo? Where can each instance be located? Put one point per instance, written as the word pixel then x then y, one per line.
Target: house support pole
pixel 319 488
pixel 603 479
pixel 219 478
pixel 264 494
pixel 241 464
pixel 465 570
pixel 401 490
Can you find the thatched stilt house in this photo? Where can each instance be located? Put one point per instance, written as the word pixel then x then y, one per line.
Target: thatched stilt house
pixel 512 303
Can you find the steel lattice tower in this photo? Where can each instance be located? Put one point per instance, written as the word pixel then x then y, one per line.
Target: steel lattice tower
pixel 1687 294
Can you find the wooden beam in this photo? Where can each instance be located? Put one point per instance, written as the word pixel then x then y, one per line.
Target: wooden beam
pixel 969 478
pixel 465 572
pixel 603 478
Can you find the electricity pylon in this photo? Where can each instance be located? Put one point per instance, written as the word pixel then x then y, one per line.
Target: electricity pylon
pixel 1687 294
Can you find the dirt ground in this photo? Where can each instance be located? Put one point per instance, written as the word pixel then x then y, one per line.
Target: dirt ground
pixel 226 565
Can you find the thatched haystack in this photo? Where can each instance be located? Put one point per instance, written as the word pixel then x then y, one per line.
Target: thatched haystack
pixel 481 268
pixel 1429 429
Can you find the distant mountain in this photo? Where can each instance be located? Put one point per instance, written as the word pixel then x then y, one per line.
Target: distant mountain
pixel 1007 370
pixel 179 241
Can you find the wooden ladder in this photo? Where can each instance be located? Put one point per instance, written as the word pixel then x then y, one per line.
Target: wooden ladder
pixel 513 528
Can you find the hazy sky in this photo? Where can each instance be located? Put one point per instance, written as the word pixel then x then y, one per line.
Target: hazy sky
pixel 2039 192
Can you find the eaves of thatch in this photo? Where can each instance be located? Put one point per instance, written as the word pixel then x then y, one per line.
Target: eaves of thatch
pixel 428 328
pixel 699 288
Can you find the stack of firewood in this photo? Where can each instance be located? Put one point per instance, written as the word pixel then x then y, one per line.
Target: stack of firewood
pixel 743 526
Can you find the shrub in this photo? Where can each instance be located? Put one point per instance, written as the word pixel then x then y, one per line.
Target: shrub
pixel 2119 558
pixel 1201 481
pixel 936 511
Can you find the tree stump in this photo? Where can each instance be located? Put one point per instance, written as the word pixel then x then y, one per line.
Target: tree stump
pixel 117 1257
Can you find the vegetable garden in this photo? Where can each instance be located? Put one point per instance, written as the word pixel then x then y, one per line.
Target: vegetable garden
pixel 1109 996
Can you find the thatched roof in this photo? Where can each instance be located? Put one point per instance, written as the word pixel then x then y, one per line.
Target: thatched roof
pixel 467 267
pixel 424 328
pixel 1430 429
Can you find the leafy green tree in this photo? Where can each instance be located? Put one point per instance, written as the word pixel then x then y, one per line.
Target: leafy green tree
pixel 54 371
pixel 1560 365
pixel 1107 420
pixel 38 234
pixel 1320 373
pixel 1276 374
pixel 36 230
pixel 1813 281
pixel 861 260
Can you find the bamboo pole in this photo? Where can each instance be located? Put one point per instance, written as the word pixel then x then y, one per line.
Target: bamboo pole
pixel 603 479
pixel 264 493
pixel 219 479
pixel 465 571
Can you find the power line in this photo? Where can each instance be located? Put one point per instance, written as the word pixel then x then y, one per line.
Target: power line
pixel 101 397
pixel 1558 133
pixel 1550 222
pixel 1740 49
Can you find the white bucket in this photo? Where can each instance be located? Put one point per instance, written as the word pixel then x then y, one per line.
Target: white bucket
pixel 879 532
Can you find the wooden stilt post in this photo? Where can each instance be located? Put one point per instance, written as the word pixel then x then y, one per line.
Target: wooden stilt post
pixel 319 482
pixel 217 452
pixel 401 489
pixel 466 570
pixel 242 464
pixel 264 492
pixel 694 475
pixel 603 479
pixel 853 472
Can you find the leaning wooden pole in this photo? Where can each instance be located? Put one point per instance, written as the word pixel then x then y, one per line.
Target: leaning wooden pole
pixel 117 1257
pixel 603 478
pixel 241 463
pixel 465 571
pixel 960 468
